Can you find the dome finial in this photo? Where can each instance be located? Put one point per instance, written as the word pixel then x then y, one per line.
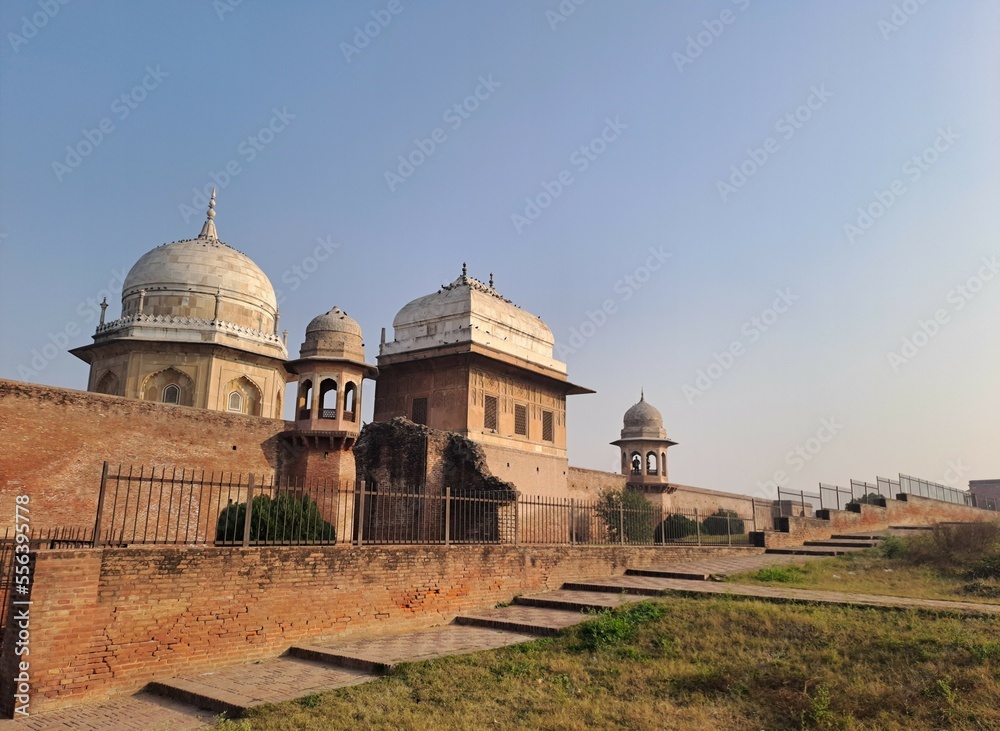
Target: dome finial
pixel 491 280
pixel 208 230
pixel 642 394
pixel 464 269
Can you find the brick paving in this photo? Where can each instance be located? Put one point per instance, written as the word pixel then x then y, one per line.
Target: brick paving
pixel 141 712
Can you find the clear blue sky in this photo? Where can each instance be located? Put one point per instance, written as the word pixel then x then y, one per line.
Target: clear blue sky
pixel 679 112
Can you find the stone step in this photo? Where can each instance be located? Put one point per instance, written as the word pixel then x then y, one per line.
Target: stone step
pixel 857 536
pixel 808 551
pixel 670 574
pixel 577 601
pixel 529 620
pixel 911 527
pixel 843 543
pixel 236 689
pixel 633 587
pixel 381 654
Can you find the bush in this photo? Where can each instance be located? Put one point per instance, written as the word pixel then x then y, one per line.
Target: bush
pixel 723 522
pixel 282 518
pixel 630 510
pixel 892 547
pixel 987 567
pixel 674 528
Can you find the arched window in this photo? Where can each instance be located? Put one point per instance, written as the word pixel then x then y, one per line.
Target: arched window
pixel 243 396
pixel 349 397
pixel 108 384
pixel 328 399
pixel 236 401
pixel 663 463
pixel 636 463
pixel 172 394
pixel 305 399
pixel 651 463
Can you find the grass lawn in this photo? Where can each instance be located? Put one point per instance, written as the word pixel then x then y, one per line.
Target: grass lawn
pixel 868 572
pixel 679 663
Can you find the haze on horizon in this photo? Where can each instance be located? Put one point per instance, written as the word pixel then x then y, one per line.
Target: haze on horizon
pixel 780 221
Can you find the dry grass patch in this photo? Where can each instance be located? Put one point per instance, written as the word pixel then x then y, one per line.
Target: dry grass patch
pixel 953 563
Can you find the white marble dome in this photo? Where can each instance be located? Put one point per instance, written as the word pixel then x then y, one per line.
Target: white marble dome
pixel 468 310
pixel 199 289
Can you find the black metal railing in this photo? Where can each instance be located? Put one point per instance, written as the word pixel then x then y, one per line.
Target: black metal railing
pixel 139 505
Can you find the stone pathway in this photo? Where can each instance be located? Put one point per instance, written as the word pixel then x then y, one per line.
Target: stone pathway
pixel 313 668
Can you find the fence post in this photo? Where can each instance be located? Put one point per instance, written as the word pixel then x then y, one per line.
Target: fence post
pixel 697 525
pixel 100 505
pixel 621 521
pixel 359 522
pixel 249 512
pixel 753 507
pixel 729 529
pixel 802 499
pixel 447 516
pixel 517 519
pixel 572 521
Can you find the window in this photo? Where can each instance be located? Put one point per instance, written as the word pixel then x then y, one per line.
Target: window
pixel 636 463
pixel 548 434
pixel 651 463
pixel 521 420
pixel 328 399
pixel 172 394
pixel 350 393
pixel 236 401
pixel 490 413
pixel 420 411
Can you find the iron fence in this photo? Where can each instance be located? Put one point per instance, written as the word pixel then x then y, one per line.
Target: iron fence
pixel 934 490
pixel 797 503
pixel 168 506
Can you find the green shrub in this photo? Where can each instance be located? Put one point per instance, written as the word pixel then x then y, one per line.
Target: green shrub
pixel 987 567
pixel 723 522
pixel 282 518
pixel 892 547
pixel 674 528
pixel 614 627
pixel 983 589
pixel 781 574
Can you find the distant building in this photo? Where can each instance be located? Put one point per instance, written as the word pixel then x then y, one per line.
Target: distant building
pixel 985 490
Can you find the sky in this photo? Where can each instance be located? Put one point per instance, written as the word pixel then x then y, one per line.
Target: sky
pixel 780 220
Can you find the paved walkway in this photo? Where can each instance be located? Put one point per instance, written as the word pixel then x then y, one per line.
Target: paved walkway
pixel 312 668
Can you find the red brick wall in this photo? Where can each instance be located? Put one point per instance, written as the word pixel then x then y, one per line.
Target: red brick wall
pixel 53 442
pixel 140 614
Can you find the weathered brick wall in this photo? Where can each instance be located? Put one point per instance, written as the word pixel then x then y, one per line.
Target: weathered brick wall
pixel 911 510
pixel 589 484
pixel 53 442
pixel 140 614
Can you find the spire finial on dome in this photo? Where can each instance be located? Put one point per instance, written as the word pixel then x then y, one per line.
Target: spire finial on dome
pixel 208 230
pixel 491 280
pixel 464 269
pixel 642 394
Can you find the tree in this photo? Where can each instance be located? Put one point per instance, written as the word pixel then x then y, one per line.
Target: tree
pixel 723 522
pixel 627 510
